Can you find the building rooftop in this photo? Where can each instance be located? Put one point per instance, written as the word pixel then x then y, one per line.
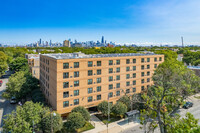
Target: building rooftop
pixel 78 55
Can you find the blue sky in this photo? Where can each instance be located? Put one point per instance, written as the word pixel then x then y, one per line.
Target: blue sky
pixel 122 21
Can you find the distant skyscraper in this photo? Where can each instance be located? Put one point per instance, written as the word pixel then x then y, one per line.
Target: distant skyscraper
pixel 40 42
pixel 102 40
pixel 66 43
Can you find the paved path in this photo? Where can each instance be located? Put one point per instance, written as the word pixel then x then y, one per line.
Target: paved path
pixel 114 127
pixel 5 106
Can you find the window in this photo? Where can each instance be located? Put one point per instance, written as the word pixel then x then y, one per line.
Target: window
pixel 118 93
pixel 155 59
pixel 98 88
pixel 90 63
pixel 110 62
pixel 110 70
pixel 155 65
pixel 118 62
pixel 90 99
pixel 110 86
pixel 127 61
pixel 134 68
pixel 142 60
pixel 134 75
pixel 76 64
pixel 127 91
pixel 110 78
pixel 110 94
pixel 65 84
pixel 90 72
pixel 98 63
pixel 76 83
pixel 134 89
pixel 65 104
pixel 65 65
pixel 127 76
pixel 66 75
pixel 148 66
pixel 134 60
pixel 90 81
pixel 134 82
pixel 98 71
pixel 142 74
pixel 76 74
pixel 98 97
pixel 76 92
pixel 142 67
pixel 118 85
pixel 142 81
pixel 118 77
pixel 118 69
pixel 90 90
pixel 98 80
pixel 148 59
pixel 148 73
pixel 127 69
pixel 128 83
pixel 76 101
pixel 66 94
pixel 148 80
pixel 160 58
pixel 142 88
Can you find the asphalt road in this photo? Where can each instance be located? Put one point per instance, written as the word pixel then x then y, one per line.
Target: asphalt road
pixel 195 110
pixel 5 106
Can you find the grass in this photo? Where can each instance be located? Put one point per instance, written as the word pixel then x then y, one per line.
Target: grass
pixel 88 126
pixel 104 119
pixel 197 97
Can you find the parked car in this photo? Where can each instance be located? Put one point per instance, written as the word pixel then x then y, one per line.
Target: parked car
pixel 13 100
pixel 1 82
pixel 187 105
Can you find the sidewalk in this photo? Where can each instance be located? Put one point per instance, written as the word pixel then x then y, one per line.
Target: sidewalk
pixel 114 127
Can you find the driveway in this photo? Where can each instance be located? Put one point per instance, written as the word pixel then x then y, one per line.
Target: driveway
pixel 5 106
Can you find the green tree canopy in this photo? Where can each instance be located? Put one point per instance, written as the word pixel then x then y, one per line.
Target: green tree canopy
pixel 3 63
pixel 119 109
pixel 103 107
pixel 19 64
pixel 74 121
pixel 83 111
pixel 125 100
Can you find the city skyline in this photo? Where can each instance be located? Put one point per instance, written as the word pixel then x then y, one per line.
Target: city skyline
pixel 124 22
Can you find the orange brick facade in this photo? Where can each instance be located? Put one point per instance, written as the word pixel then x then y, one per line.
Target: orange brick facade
pixel 68 83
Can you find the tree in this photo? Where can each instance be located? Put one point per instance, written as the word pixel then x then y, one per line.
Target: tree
pixel 173 83
pixel 3 63
pixel 14 85
pixel 74 121
pixel 19 64
pixel 83 111
pixel 119 109
pixel 125 100
pixel 103 107
pixel 31 116
pixel 51 121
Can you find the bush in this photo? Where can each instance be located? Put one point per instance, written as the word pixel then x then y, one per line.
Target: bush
pixel 74 121
pixel 125 100
pixel 103 107
pixel 119 109
pixel 83 111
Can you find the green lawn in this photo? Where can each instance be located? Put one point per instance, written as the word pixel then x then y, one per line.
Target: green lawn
pixel 88 126
pixel 104 119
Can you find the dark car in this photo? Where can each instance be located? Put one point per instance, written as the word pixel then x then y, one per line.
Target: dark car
pixel 187 105
pixel 1 82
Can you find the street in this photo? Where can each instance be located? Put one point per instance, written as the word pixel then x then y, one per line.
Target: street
pixel 5 106
pixel 195 110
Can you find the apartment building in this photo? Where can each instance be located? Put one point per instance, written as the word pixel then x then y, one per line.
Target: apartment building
pixel 72 79
pixel 34 64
